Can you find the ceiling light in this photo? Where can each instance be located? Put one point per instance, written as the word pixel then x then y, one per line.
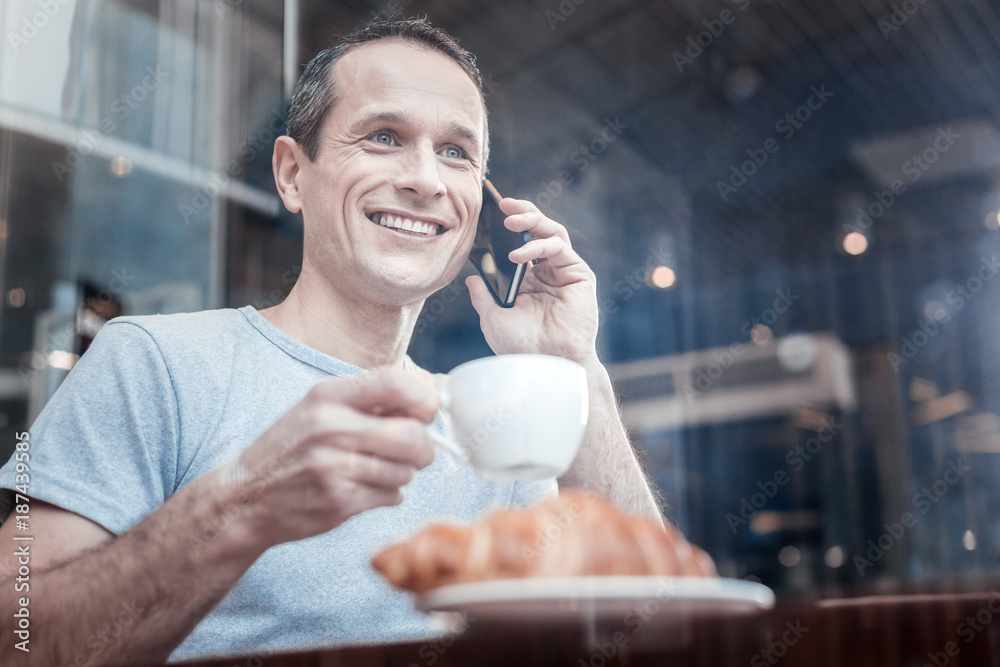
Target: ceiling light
pixel 662 277
pixel 855 243
pixel 992 221
pixel 15 297
pixel 120 166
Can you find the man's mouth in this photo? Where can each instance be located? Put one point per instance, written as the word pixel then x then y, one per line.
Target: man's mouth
pixel 402 223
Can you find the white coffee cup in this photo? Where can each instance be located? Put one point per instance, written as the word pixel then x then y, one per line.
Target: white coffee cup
pixel 517 417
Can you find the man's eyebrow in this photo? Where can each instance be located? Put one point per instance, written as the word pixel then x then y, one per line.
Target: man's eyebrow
pixel 464 132
pixel 391 117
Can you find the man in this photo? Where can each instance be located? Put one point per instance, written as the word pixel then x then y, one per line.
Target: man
pixel 216 482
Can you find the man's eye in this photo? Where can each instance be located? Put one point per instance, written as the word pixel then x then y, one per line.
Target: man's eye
pixel 454 152
pixel 384 138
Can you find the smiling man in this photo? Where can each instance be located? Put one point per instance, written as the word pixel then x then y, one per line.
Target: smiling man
pixel 225 476
pixel 389 184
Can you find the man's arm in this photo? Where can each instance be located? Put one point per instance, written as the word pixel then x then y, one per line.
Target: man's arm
pixel 348 446
pixel 154 583
pixel 556 313
pixel 607 463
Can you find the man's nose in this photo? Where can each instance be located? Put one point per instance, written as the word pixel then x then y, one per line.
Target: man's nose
pixel 420 172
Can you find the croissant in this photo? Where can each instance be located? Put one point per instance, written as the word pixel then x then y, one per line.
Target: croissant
pixel 574 534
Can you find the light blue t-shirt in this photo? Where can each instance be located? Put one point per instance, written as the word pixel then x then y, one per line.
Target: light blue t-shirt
pixel 158 401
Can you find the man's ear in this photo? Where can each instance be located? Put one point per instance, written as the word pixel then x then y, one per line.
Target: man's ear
pixel 285 163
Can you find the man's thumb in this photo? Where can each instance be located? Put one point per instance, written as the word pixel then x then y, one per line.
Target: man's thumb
pixel 479 294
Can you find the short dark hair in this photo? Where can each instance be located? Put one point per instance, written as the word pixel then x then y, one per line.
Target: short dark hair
pixel 316 91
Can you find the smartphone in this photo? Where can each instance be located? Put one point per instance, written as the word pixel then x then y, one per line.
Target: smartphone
pixel 492 245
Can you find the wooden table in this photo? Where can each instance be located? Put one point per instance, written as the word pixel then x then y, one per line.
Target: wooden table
pixel 896 630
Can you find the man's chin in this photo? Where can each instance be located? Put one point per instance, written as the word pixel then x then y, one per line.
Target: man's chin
pixel 403 293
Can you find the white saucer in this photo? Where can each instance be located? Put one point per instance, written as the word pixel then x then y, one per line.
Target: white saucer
pixel 612 598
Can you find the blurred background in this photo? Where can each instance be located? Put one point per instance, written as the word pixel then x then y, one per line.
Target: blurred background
pixel 792 207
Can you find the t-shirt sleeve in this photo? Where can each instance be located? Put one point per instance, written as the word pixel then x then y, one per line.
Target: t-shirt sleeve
pixel 105 446
pixel 527 494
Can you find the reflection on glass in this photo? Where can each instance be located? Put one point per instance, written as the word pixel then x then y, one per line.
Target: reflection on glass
pixel 806 355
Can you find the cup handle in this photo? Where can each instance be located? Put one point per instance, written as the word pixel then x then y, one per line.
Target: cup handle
pixel 444 442
pixel 447 444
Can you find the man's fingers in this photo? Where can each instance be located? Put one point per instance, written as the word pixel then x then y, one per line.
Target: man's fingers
pixel 523 216
pixel 559 254
pixel 382 392
pixel 352 497
pixel 399 439
pixel 367 469
pixel 375 496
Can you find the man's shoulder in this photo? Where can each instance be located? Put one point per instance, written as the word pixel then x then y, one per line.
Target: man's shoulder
pixel 183 328
pixel 201 340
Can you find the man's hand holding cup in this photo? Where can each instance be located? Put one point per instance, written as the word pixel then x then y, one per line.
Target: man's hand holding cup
pixel 351 444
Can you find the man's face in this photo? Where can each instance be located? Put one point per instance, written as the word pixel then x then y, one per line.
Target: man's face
pixel 402 146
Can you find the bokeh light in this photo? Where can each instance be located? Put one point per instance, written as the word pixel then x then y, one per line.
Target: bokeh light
pixel 855 243
pixel 663 277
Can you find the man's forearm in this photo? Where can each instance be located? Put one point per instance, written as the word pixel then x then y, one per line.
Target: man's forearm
pixel 606 462
pixel 154 584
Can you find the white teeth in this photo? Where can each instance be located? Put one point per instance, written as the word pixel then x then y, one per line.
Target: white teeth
pixel 399 222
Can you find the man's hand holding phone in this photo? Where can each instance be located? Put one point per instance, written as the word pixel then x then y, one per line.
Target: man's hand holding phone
pixel 556 308
pixel 556 313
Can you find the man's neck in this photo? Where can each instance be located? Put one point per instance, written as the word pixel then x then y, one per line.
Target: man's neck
pixel 361 333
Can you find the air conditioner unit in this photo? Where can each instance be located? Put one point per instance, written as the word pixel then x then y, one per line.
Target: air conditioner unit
pixel 742 381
